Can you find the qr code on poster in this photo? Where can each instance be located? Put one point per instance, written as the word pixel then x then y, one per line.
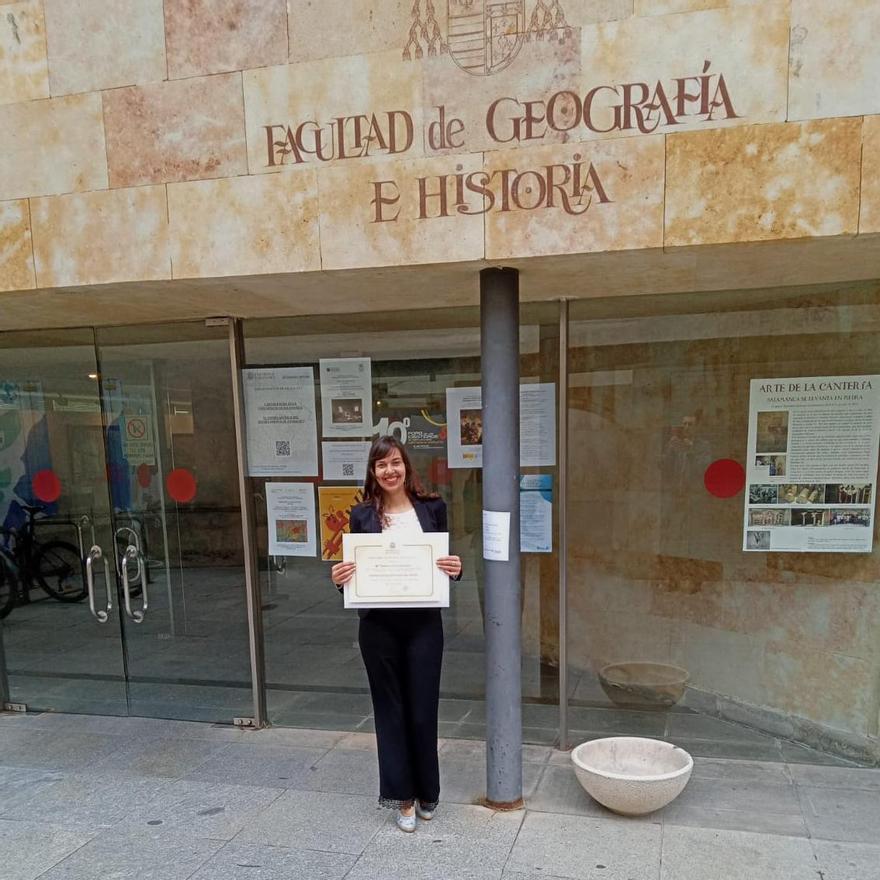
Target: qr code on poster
pixel 347 470
pixel 282 448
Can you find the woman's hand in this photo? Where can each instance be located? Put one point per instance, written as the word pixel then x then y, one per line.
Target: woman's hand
pixel 450 565
pixel 342 573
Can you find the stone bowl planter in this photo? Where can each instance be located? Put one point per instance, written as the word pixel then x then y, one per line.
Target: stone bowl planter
pixel 643 685
pixel 632 775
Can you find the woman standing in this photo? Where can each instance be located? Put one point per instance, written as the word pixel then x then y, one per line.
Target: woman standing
pixel 402 648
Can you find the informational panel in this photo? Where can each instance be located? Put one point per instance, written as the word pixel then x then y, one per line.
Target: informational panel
pixel 345 460
pixel 346 397
pixel 812 464
pixel 537 426
pixel 282 427
pixel 536 513
pixel 290 508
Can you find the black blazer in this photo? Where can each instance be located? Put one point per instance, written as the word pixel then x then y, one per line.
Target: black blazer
pixel 432 518
pixel 431 513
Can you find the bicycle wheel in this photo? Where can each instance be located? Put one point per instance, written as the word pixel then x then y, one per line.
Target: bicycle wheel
pixel 60 571
pixel 7 587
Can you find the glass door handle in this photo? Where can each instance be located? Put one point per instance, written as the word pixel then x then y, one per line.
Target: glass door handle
pixel 132 554
pixel 102 616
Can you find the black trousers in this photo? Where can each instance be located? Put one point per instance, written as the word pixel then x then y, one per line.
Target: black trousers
pixel 403 653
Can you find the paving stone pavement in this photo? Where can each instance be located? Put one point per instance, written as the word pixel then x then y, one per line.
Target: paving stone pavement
pixel 101 798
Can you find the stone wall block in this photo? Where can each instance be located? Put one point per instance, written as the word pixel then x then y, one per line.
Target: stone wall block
pixel 186 130
pixel 869 215
pixel 576 198
pixel 717 68
pixel 668 7
pixel 101 237
pixel 398 213
pixel 763 182
pixel 24 73
pixel 835 62
pixel 16 256
pixel 102 44
pixel 52 146
pixel 830 688
pixel 370 26
pixel 337 110
pixel 245 226
pixel 217 36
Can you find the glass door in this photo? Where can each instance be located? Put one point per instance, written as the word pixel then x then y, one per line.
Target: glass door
pixel 176 519
pixel 118 469
pixel 63 642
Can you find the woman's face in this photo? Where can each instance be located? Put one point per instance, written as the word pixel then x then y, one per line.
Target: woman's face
pixel 390 471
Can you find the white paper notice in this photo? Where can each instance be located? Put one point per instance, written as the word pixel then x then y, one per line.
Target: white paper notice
pixel 496 535
pixel 282 428
pixel 346 397
pixel 536 513
pixel 537 426
pixel 291 519
pixel 812 464
pixel 346 461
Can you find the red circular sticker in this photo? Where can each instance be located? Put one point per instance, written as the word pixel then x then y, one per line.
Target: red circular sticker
pixel 724 478
pixel 46 486
pixel 181 485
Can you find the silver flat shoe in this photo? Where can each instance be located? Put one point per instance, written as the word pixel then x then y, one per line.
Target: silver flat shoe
pixel 406 823
pixel 422 813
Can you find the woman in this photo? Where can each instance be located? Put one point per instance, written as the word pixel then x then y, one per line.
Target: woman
pixel 402 648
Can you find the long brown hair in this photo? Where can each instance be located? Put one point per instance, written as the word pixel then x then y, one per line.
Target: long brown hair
pixel 373 495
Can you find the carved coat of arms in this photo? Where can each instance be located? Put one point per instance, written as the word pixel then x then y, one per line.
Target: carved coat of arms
pixel 482 36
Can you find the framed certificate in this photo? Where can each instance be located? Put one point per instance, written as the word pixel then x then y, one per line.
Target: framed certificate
pixel 396 570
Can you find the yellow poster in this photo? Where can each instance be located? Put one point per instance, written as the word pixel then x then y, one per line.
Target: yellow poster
pixel 335 504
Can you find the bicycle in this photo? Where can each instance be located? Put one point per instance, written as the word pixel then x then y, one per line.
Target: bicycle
pixel 55 566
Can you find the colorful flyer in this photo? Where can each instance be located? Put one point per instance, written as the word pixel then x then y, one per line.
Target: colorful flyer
pixel 811 464
pixel 335 504
pixel 290 508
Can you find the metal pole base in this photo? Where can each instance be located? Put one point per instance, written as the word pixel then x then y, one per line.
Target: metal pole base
pixel 504 806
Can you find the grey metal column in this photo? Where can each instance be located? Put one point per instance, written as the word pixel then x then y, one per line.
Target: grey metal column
pixel 248 530
pixel 499 336
pixel 563 524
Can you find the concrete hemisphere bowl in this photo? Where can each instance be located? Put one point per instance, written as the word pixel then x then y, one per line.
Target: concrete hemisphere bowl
pixel 632 775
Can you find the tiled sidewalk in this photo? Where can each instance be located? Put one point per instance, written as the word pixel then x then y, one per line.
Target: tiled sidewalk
pixel 100 798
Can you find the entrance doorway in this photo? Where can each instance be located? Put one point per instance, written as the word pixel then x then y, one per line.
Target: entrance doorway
pixel 121 557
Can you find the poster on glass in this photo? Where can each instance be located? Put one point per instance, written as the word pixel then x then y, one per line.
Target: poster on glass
pixel 345 460
pixel 335 504
pixel 537 425
pixel 290 509
pixel 811 464
pixel 282 428
pixel 346 397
